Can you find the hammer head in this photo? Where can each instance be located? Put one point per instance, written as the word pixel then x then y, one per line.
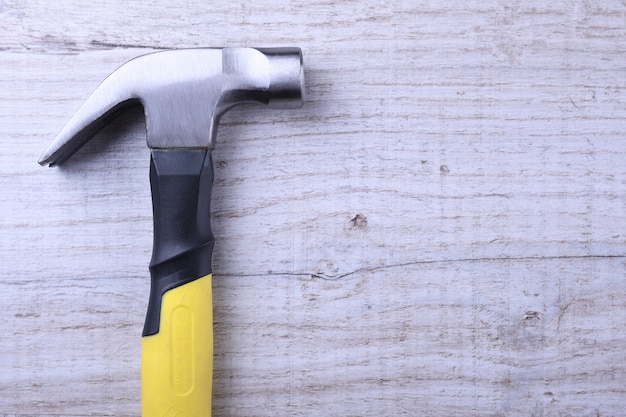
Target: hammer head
pixel 184 93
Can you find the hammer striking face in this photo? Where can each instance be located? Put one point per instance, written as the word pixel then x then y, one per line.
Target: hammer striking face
pixel 184 93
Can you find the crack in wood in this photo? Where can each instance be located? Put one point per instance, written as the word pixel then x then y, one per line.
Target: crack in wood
pixel 337 277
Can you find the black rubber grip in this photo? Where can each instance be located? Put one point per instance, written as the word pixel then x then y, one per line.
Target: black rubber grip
pixel 181 182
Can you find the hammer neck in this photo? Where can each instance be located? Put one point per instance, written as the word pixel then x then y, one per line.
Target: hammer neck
pixel 181 182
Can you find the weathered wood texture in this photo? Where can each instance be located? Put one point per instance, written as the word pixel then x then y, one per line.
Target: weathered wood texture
pixel 440 231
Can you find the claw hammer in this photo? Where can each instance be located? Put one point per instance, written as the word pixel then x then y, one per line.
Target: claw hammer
pixel 184 93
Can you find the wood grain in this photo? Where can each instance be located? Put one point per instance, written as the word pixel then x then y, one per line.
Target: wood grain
pixel 440 231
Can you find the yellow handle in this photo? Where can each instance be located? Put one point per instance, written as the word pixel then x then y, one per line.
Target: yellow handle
pixel 177 362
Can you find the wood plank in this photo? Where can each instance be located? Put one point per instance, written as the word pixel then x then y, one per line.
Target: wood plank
pixel 440 231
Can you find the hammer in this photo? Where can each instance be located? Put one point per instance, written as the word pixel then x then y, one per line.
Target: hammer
pixel 184 93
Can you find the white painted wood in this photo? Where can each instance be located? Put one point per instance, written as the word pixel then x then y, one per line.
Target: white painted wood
pixel 440 231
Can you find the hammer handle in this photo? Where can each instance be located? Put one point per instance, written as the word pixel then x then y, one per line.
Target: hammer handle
pixel 177 363
pixel 177 357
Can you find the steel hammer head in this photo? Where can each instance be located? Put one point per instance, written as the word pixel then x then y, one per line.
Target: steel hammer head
pixel 184 93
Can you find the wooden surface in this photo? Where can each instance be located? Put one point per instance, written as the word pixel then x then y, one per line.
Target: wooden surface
pixel 439 232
